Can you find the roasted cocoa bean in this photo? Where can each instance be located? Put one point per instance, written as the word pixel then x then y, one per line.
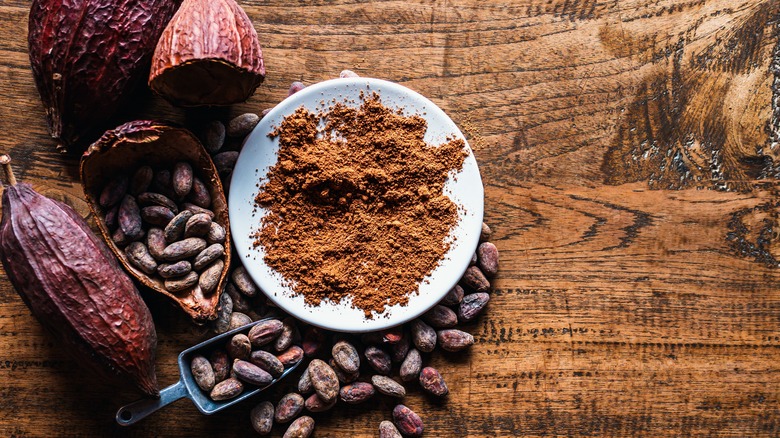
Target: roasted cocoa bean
pixel 487 254
pixel 184 249
pixel 213 136
pixel 197 226
pixel 472 306
pixel 199 194
pixel 423 336
pixel 111 217
pixel 151 198
pixel 392 335
pixel 295 87
pixel 130 218
pixel 182 179
pixel 473 260
pixel 411 366
pixel 475 279
pixel 285 339
pixel 267 362
pixel 163 183
pixel 399 350
pixel 304 383
pixel 227 389
pixel 181 283
pixel 225 161
pixel 356 393
pixel 113 192
pixel 388 430
pixel 407 422
pixel 210 277
pixel 220 363
pixel 175 228
pixel 289 407
pixel 156 215
pixel 346 356
pixel 262 417
pixel 239 347
pixel 291 356
pixel 195 209
pixel 240 302
pixel 174 270
pixel 216 233
pixel 243 281
pixel 302 427
pixel 207 256
pixel 441 317
pixel 242 125
pixel 238 319
pixel 454 340
pixel 252 374
pixel 315 404
pixel 265 332
pixel 378 359
pixel 388 386
pixel 222 322
pixel 313 339
pixel 324 380
pixel 141 180
pixel 155 242
pixel 485 234
pixel 343 376
pixel 203 373
pixel 119 238
pixel 432 382
pixel 453 297
pixel 138 256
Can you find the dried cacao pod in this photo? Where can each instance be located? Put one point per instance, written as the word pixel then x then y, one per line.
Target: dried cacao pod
pixel 76 289
pixel 87 56
pixel 140 143
pixel 208 54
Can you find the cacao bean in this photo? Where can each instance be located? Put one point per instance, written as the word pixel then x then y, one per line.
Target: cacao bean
pixel 113 192
pixel 151 199
pixel 139 256
pixel 407 422
pixel 313 338
pixel 216 234
pixel 392 335
pixel 378 359
pixel 184 249
pixel 487 254
pixel 295 87
pixel 155 242
pixel 208 255
pixel 348 74
pixel 182 283
pixel 267 362
pixel 343 376
pixel 243 281
pixel 388 430
pixel 356 393
pixel 388 386
pixel 195 209
pixel 399 350
pixel 130 218
pixel 454 340
pixel 423 336
pixel 411 366
pixel 475 279
pixel 222 322
pixel 240 303
pixel 485 234
pixel 142 179
pixel 472 306
pixel 289 407
pixel 111 217
pixel 175 228
pixel 220 363
pixel 265 332
pixel 225 161
pixel 432 382
pixel 324 380
pixel 203 373
pixel 441 317
pixel 304 383
pixel 238 319
pixel 242 125
pixel 174 270
pixel 227 389
pixel 163 183
pixel 239 347
pixel 156 215
pixel 182 179
pixel 120 238
pixel 291 356
pixel 346 356
pixel 302 427
pixel 288 334
pixel 252 374
pixel 197 226
pixel 262 417
pixel 214 136
pixel 315 404
pixel 199 194
pixel 473 260
pixel 453 297
pixel 210 277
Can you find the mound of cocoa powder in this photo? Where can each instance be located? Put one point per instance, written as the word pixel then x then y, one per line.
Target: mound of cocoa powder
pixel 357 208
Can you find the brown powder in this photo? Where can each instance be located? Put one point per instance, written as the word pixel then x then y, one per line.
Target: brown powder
pixel 357 209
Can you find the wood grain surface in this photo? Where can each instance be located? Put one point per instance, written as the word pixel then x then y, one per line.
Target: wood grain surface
pixel 630 152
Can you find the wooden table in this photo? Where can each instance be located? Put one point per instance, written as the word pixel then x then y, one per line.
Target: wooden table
pixel 629 151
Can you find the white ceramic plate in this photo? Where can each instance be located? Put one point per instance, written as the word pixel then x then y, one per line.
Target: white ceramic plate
pixel 259 154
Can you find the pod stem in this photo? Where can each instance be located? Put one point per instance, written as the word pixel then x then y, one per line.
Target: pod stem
pixel 5 161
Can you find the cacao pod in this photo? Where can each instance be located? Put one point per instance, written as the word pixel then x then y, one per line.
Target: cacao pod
pixel 208 54
pixel 87 55
pixel 141 143
pixel 75 288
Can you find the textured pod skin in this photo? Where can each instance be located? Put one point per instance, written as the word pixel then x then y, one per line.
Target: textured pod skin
pixel 145 142
pixel 208 54
pixel 76 289
pixel 87 55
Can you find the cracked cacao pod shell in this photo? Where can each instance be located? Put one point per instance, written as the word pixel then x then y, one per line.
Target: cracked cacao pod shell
pixel 73 285
pixel 159 145
pixel 87 55
pixel 208 54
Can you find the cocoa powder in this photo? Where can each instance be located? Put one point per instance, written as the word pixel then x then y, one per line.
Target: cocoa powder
pixel 357 209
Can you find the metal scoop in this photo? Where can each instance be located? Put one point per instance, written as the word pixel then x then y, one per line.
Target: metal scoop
pixel 186 386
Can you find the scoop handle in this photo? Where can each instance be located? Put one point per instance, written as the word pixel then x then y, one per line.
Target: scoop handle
pixel 138 410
